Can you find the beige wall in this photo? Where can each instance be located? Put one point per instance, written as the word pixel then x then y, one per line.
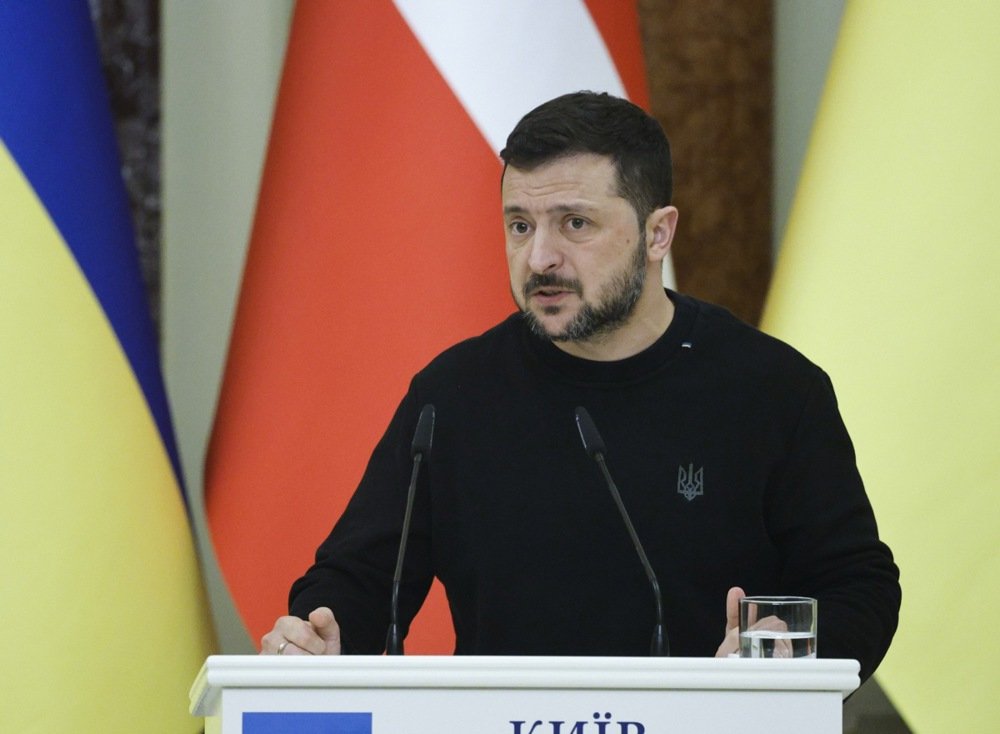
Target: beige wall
pixel 221 61
pixel 805 32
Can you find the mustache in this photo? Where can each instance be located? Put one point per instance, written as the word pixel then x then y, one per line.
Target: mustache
pixel 547 280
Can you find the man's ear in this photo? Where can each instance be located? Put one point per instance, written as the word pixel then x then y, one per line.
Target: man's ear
pixel 660 227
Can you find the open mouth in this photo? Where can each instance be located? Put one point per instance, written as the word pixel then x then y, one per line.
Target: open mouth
pixel 549 292
pixel 550 297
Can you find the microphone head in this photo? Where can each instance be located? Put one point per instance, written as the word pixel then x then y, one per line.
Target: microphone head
pixel 593 444
pixel 424 435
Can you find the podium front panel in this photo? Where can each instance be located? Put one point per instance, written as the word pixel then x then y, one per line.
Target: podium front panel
pixel 431 695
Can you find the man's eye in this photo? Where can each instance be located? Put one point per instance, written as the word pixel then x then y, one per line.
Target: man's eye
pixel 519 227
pixel 576 222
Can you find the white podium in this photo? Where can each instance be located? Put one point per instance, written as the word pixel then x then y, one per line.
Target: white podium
pixel 249 694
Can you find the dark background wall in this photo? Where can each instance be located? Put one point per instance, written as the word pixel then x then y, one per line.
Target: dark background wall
pixel 709 69
pixel 128 33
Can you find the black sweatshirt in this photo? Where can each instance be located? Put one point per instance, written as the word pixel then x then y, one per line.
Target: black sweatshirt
pixel 731 458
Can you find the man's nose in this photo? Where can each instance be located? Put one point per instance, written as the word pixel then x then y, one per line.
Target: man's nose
pixel 546 251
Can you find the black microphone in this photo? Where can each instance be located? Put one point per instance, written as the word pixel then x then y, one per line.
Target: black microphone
pixel 593 444
pixel 422 438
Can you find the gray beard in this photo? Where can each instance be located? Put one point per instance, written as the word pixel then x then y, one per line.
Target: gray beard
pixel 615 307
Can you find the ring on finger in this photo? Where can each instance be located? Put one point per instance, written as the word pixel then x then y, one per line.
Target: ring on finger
pixel 281 648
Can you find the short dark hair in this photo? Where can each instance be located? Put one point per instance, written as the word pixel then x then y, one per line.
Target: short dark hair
pixel 590 122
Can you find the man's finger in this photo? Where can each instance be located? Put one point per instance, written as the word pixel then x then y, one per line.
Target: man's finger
pixel 293 631
pixel 730 640
pixel 325 625
pixel 733 607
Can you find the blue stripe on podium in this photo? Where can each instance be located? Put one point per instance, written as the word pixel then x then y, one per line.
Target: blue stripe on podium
pixel 306 723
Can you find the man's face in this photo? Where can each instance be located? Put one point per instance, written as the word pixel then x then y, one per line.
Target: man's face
pixel 575 251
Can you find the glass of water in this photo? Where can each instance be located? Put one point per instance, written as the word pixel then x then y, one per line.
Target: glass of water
pixel 777 627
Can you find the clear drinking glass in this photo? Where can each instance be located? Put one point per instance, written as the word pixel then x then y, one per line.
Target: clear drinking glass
pixel 777 627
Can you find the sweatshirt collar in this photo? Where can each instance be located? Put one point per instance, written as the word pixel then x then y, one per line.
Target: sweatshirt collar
pixel 549 357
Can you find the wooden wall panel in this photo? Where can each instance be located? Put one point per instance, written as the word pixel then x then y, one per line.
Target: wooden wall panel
pixel 709 67
pixel 128 33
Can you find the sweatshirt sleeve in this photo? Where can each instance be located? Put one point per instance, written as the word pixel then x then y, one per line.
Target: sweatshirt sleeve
pixel 353 569
pixel 820 517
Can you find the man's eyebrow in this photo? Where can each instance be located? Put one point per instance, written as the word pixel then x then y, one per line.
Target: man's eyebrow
pixel 573 206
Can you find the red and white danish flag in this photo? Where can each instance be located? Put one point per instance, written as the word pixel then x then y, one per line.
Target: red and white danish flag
pixel 378 241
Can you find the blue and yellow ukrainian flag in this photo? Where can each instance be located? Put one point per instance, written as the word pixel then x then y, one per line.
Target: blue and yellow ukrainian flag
pixel 888 277
pixel 101 605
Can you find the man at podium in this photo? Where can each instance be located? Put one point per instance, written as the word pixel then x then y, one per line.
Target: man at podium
pixel 734 467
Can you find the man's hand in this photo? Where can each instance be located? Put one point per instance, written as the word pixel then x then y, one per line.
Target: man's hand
pixel 293 636
pixel 731 640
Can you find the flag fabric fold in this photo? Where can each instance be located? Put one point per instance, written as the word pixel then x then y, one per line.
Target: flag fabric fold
pixel 887 277
pixel 102 597
pixel 377 242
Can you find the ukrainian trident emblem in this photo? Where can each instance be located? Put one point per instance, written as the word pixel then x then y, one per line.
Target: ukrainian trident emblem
pixel 690 483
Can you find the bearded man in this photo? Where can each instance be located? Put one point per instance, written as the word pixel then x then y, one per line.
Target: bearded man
pixel 727 444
